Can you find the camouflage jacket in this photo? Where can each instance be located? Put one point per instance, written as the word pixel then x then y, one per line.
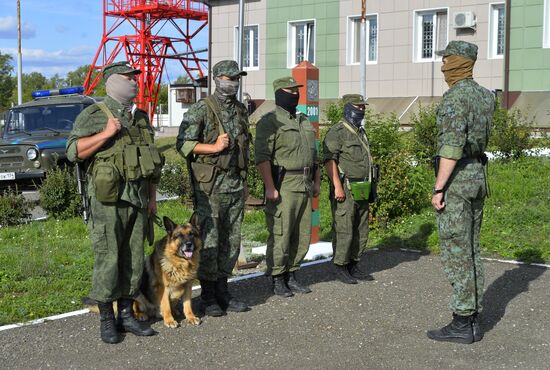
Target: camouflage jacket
pixel 200 126
pixel 464 119
pixel 91 121
pixel 348 149
pixel 289 142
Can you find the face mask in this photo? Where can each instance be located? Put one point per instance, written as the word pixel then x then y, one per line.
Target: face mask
pixel 121 89
pixel 287 101
pixel 457 68
pixel 227 87
pixel 353 115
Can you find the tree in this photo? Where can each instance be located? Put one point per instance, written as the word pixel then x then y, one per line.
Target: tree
pixel 31 82
pixel 6 81
pixel 182 80
pixel 77 77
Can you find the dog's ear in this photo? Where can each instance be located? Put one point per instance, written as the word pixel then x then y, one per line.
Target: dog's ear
pixel 194 221
pixel 169 225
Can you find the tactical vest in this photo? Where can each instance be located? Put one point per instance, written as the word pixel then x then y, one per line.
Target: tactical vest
pixel 133 153
pixel 238 147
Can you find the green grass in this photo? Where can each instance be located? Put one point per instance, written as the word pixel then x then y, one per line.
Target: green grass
pixel 46 266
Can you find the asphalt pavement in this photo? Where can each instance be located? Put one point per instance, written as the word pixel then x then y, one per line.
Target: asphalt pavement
pixel 372 325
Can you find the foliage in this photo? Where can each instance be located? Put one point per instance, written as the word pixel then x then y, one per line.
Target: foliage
pixel 383 133
pixel 7 83
pixel 13 207
pixel 510 134
pixel 175 179
pixel 424 144
pixel 58 193
pixel 334 112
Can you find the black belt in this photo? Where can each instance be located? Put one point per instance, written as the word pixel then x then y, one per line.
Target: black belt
pixel 303 171
pixel 468 160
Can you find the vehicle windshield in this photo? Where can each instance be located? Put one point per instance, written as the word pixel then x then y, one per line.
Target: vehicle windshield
pixel 53 118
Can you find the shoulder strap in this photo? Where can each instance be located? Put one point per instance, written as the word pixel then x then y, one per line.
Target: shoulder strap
pixel 364 142
pixel 214 107
pixel 105 109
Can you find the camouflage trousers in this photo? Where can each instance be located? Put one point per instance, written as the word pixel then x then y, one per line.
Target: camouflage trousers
pixel 117 232
pixel 220 216
pixel 289 224
pixel 350 228
pixel 459 228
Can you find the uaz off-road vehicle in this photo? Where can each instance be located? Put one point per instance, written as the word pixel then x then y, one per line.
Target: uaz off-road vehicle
pixel 35 133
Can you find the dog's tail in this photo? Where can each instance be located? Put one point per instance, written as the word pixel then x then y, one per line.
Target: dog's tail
pixel 91 304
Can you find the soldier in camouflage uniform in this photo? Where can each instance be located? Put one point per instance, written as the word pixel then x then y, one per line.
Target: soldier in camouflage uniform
pixel 286 156
pixel 348 161
pixel 121 196
pixel 464 122
pixel 214 137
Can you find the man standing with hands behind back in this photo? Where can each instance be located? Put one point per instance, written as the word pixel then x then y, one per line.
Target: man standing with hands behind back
pixel 287 159
pixel 464 119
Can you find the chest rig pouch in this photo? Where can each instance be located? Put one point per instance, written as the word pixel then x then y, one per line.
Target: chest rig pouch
pixel 132 156
pixel 205 168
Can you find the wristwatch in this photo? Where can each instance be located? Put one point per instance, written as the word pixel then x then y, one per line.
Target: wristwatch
pixel 436 191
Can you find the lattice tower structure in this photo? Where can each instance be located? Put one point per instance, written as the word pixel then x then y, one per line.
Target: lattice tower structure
pixel 145 44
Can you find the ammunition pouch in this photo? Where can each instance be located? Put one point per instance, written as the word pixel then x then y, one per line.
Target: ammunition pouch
pixel 106 179
pixel 360 190
pixel 205 176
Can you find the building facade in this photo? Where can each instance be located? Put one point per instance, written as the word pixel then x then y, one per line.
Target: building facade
pixel 402 37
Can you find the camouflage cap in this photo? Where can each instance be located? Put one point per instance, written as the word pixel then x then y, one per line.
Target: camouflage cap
pixel 462 48
pixel 285 83
pixel 228 68
pixel 121 68
pixel 356 99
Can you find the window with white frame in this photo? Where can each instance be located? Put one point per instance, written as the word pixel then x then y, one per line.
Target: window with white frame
pixel 354 39
pixel 301 42
pixel 250 47
pixel 546 26
pixel 430 34
pixel 496 31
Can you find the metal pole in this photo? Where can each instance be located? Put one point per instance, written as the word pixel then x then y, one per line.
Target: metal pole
pixel 240 44
pixel 19 57
pixel 363 50
pixel 209 77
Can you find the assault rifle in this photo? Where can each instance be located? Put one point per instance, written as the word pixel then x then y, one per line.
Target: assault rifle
pixel 81 183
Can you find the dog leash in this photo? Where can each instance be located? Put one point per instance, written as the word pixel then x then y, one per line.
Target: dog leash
pixel 157 220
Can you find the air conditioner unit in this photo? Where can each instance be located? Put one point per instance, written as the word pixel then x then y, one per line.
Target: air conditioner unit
pixel 464 20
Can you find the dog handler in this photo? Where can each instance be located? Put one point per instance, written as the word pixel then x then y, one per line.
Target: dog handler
pixel 115 141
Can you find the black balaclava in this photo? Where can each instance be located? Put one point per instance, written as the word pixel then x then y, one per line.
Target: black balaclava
pixel 353 115
pixel 287 101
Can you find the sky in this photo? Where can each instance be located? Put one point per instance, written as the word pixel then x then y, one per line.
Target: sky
pixel 60 35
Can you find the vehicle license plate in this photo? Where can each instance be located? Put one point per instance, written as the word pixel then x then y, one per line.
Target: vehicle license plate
pixel 7 176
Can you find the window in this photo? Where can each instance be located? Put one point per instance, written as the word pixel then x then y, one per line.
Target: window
pixel 496 31
pixel 546 26
pixel 430 34
pixel 354 39
pixel 301 42
pixel 250 47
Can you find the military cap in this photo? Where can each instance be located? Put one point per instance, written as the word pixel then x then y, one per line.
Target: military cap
pixel 228 68
pixel 285 83
pixel 462 48
pixel 121 68
pixel 356 99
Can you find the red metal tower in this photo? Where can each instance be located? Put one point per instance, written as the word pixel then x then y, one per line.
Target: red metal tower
pixel 143 45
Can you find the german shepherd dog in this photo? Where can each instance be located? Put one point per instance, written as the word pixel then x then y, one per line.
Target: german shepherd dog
pixel 169 274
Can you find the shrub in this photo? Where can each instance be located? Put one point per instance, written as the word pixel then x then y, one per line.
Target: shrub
pixel 383 133
pixel 253 179
pixel 59 195
pixel 510 134
pixel 175 180
pixel 424 144
pixel 13 207
pixel 333 112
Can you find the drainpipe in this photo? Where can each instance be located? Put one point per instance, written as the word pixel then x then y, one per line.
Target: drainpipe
pixel 240 45
pixel 506 87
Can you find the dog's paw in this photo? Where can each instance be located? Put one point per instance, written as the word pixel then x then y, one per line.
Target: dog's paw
pixel 171 323
pixel 193 320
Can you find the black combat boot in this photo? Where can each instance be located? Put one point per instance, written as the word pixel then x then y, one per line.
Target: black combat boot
pixel 476 329
pixel 294 285
pixel 279 286
pixel 128 323
pixel 357 273
pixel 343 275
pixel 458 331
pixel 208 297
pixel 107 328
pixel 226 300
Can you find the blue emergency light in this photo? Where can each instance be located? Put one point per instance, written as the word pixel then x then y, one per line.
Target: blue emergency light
pixel 62 91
